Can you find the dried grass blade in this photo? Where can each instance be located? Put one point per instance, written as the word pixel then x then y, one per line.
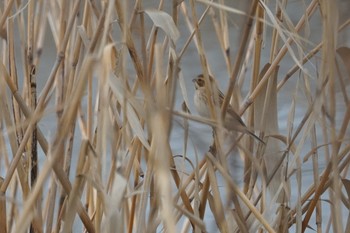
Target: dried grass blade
pixel 65 122
pixel 266 113
pixel 282 52
pixel 241 195
pixel 183 194
pixel 4 17
pixel 240 55
pixel 113 204
pixel 77 189
pixel 119 91
pixel 44 144
pixel 216 203
pixel 164 21
pixel 50 206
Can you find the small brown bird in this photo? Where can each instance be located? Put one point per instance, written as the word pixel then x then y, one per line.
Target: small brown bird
pixel 232 122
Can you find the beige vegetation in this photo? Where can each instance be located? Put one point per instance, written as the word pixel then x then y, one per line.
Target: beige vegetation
pixel 112 97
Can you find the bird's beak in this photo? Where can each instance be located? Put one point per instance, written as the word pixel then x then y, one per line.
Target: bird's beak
pixel 195 83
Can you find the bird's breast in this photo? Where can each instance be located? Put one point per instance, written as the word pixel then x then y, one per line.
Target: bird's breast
pixel 201 104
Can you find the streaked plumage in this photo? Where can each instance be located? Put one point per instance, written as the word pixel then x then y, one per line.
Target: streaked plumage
pixel 233 121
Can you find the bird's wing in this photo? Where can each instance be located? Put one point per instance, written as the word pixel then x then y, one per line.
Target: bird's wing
pixel 230 110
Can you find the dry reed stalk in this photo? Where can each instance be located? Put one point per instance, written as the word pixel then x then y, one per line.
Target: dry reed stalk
pixel 4 17
pixel 327 72
pixel 193 30
pixel 30 68
pixel 250 173
pixel 50 206
pixel 130 44
pixel 221 30
pixel 77 188
pixel 43 97
pixel 255 76
pixel 215 202
pixel 204 197
pixel 66 117
pixel 15 109
pixel 307 57
pixel 241 195
pixel 282 52
pixel 239 56
pixel 315 157
pixel 202 55
pixel 311 190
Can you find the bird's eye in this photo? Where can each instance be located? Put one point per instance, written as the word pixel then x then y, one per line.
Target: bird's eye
pixel 200 82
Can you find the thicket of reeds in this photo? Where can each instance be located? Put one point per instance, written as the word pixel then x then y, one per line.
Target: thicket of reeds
pixel 111 95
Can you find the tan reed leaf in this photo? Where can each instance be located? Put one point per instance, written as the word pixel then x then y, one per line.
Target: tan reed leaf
pixel 164 21
pixel 267 120
pixel 241 195
pixel 119 91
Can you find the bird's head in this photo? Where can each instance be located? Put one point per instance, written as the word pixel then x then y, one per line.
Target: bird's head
pixel 200 81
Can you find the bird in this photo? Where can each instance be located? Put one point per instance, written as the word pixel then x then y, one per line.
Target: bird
pixel 232 122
